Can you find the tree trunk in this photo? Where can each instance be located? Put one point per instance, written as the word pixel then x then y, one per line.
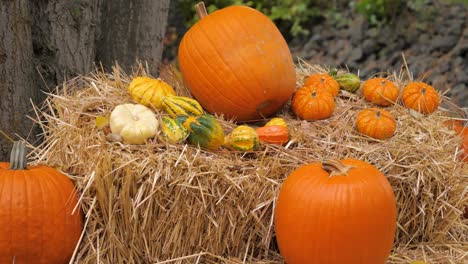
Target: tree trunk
pixel 130 30
pixel 45 42
pixel 17 83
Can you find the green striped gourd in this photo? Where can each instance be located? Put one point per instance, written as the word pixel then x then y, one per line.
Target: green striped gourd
pixel 243 138
pixel 181 105
pixel 172 130
pixel 205 131
pixel 348 82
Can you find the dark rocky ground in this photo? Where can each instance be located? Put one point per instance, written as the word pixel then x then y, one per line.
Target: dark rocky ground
pixel 433 37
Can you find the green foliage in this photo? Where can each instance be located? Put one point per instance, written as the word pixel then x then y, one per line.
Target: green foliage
pixel 290 15
pixel 380 11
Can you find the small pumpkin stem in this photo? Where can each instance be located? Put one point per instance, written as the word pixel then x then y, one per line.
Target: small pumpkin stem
pixel 423 91
pixel 382 83
pixel 335 167
pixel 322 79
pixel 18 159
pixel 314 93
pixel 201 10
pixel 378 114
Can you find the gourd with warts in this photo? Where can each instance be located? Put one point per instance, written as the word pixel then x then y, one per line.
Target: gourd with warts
pixel 243 138
pixel 149 92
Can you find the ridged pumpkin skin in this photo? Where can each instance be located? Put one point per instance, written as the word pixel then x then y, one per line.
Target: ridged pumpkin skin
pixel 380 91
pixel 181 105
pixel 323 81
pixel 376 123
pixel 172 130
pixel 277 121
pixel 243 138
pixel 36 221
pixel 336 218
pixel 348 82
pixel 313 104
pixel 148 91
pixel 420 97
pixel 205 131
pixel 275 134
pixel 236 62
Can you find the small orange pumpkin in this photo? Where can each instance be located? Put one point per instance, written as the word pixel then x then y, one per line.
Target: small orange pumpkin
pixel 421 97
pixel 276 134
pixel 380 91
pixel 313 104
pixel 323 81
pixel 336 212
pixel 376 123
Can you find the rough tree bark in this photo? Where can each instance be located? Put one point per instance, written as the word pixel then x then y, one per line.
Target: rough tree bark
pixel 45 42
pixel 17 81
pixel 130 28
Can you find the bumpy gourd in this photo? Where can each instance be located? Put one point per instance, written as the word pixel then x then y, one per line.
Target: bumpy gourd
pixel 135 123
pixel 277 121
pixel 205 131
pixel 181 105
pixel 348 81
pixel 148 91
pixel 243 138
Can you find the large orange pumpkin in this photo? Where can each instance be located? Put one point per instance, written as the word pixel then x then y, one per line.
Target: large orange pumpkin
pixel 37 224
pixel 336 212
pixel 236 62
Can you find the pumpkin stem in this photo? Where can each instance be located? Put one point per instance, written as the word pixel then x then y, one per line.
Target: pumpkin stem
pixel 423 91
pixel 382 83
pixel 201 10
pixel 377 114
pixel 335 167
pixel 314 93
pixel 18 156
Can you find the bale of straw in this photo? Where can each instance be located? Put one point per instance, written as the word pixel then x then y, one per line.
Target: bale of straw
pixel 176 203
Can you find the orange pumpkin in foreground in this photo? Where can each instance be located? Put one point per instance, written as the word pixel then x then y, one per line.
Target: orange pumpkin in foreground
pixel 421 97
pixel 323 81
pixel 336 212
pixel 37 222
pixel 236 62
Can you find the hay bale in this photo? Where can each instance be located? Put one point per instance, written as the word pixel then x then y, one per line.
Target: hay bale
pixel 181 204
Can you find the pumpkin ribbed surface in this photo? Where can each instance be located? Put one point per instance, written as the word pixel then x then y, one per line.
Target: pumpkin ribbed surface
pixel 148 91
pixel 243 138
pixel 323 81
pixel 380 91
pixel 376 123
pixel 421 97
pixel 313 104
pixel 181 105
pixel 236 62
pixel 36 220
pixel 205 131
pixel 336 215
pixel 172 130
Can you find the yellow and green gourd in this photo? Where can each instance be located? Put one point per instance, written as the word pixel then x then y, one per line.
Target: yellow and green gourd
pixel 148 91
pixel 348 81
pixel 277 121
pixel 205 131
pixel 172 130
pixel 243 138
pixel 181 105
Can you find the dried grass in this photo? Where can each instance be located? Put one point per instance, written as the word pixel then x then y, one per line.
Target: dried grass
pixel 163 203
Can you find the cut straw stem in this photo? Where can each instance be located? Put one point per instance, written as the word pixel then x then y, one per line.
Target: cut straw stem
pixel 3 134
pixel 201 10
